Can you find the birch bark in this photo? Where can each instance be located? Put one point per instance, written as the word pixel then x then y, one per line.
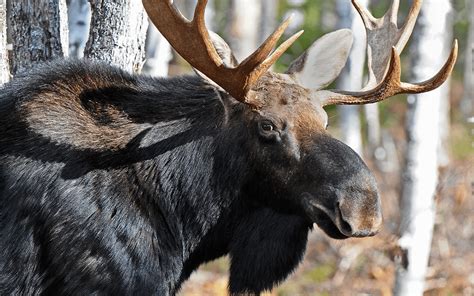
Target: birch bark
pixel 243 27
pixel 268 13
pixel 117 33
pixel 4 67
pixel 351 77
pixel 79 18
pixel 420 176
pixel 158 53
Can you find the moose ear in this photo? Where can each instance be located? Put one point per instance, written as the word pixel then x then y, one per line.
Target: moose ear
pixel 225 53
pixel 320 65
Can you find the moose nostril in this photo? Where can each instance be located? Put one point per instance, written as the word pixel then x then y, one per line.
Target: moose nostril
pixel 345 226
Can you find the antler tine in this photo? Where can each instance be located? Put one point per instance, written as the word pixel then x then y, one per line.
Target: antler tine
pixel 200 12
pixel 267 46
pixel 407 28
pixel 384 64
pixel 192 41
pixel 438 79
pixel 386 88
pixel 392 13
pixel 269 61
pixel 391 84
pixel 367 17
pixel 199 21
pixel 382 34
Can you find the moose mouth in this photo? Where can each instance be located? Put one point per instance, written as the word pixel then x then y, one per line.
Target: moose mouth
pixel 330 223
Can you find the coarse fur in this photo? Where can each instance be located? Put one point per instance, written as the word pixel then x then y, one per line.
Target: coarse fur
pixel 110 182
pixel 119 184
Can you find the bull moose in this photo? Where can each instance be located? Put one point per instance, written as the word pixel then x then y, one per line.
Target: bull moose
pixel 119 184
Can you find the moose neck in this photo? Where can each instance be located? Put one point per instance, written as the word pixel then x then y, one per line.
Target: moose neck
pixel 190 166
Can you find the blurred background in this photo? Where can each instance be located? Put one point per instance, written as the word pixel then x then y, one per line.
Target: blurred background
pixel 421 148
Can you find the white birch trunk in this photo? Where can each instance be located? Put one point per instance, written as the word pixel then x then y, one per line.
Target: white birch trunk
pixel 4 67
pixel 351 77
pixel 117 33
pixel 423 130
pixel 158 54
pixel 79 19
pixel 374 131
pixel 243 28
pixel 40 32
pixel 444 92
pixel 269 10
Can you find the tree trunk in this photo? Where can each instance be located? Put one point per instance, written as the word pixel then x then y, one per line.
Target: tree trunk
pixel 269 10
pixel 352 76
pixel 243 27
pixel 158 54
pixel 40 31
pixel 117 33
pixel 423 130
pixel 374 133
pixel 4 67
pixel 79 19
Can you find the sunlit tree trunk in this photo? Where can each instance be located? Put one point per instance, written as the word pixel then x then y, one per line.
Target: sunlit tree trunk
pixel 374 133
pixel 445 104
pixel 79 18
pixel 243 27
pixel 117 33
pixel 4 67
pixel 420 175
pixel 268 19
pixel 352 76
pixel 158 53
pixel 40 32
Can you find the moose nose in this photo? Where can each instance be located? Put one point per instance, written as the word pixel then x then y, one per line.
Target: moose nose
pixel 359 222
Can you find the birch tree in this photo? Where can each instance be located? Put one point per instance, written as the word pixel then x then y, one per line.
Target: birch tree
pixel 374 132
pixel 268 19
pixel 40 32
pixel 351 77
pixel 117 33
pixel 79 16
pixel 423 130
pixel 4 68
pixel 158 53
pixel 243 27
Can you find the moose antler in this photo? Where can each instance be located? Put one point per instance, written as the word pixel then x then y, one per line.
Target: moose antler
pixel 385 42
pixel 192 41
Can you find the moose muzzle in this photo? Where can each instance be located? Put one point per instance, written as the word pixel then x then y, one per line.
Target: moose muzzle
pixel 343 198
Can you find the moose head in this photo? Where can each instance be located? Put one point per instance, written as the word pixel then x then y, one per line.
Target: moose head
pixel 284 113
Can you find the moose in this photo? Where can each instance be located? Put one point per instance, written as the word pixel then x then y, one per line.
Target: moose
pixel 114 183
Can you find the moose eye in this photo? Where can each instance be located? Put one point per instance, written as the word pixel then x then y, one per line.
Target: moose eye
pixel 268 131
pixel 267 127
